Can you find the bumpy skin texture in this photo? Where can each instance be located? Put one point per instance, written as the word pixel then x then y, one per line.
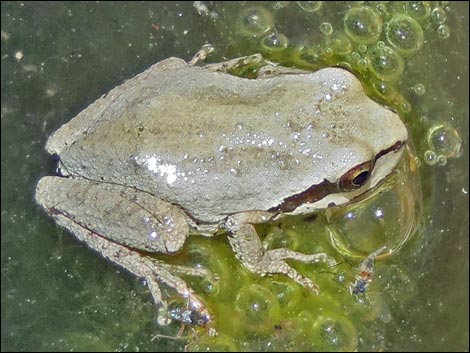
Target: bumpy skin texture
pixel 180 148
pixel 217 144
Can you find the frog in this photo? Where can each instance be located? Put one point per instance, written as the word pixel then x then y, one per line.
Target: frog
pixel 188 148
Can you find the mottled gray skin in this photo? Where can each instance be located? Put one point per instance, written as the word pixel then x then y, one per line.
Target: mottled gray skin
pixel 236 144
pixel 180 148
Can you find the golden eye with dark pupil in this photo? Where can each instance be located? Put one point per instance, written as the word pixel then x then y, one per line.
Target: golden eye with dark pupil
pixel 355 177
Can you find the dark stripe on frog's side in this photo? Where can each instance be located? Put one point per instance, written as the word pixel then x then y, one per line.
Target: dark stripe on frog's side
pixel 312 194
pixel 318 191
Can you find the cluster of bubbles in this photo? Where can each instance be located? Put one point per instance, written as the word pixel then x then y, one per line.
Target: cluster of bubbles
pixel 371 38
pixel 444 143
pixel 274 313
pixel 381 37
pixel 376 40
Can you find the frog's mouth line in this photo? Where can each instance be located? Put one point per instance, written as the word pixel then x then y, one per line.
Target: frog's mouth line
pixel 319 191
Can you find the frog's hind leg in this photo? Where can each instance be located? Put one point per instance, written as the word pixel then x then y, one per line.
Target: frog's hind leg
pixel 245 66
pixel 252 66
pixel 153 271
pixel 250 251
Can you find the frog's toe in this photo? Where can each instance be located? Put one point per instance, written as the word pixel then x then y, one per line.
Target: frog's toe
pixel 329 260
pixel 308 283
pixel 280 266
pixel 303 281
pixel 163 319
pixel 284 253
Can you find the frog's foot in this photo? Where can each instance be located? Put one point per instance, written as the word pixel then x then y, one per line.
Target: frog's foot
pixel 151 270
pixel 194 303
pixel 273 261
pixel 251 253
pixel 155 272
pixel 201 55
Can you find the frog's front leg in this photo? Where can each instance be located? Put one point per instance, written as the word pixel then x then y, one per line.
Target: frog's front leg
pixel 119 222
pixel 250 251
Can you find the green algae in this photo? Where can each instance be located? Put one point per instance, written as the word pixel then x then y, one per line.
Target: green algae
pixel 378 42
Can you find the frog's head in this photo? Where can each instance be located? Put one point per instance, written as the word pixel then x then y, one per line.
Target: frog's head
pixel 359 143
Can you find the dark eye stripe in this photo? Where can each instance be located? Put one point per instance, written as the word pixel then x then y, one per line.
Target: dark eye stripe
pixel 319 191
pixel 312 194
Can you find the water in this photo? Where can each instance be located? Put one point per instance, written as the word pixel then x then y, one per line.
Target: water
pixel 59 57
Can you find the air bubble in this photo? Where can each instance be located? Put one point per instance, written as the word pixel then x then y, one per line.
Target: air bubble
pixel 327 52
pixel 363 24
pixel 405 106
pixel 308 56
pixel 255 21
pixel 445 141
pixel 355 56
pixel 443 31
pixel 326 28
pixel 419 89
pixel 419 10
pixel 383 88
pixel 257 304
pixel 278 5
pixel 382 9
pixel 335 333
pixel 385 63
pixel 362 63
pixel 405 34
pixel 362 48
pixel 287 293
pixel 423 119
pixel 309 6
pixel 430 157
pixel 339 43
pixel 274 42
pixel 438 15
pixel 441 161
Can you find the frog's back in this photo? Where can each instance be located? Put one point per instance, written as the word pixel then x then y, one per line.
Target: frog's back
pixel 216 144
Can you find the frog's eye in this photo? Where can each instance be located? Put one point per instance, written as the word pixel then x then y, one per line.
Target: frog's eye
pixel 356 177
